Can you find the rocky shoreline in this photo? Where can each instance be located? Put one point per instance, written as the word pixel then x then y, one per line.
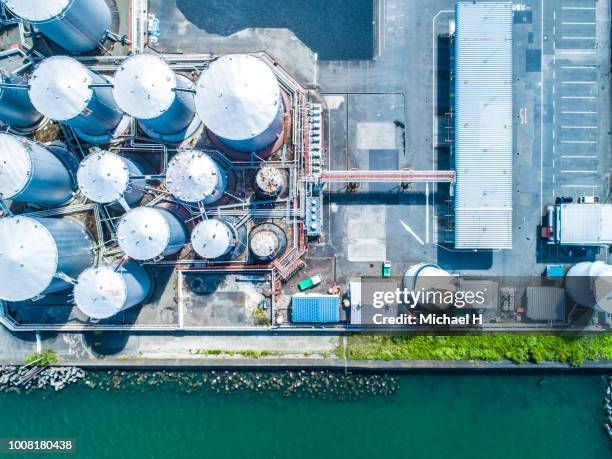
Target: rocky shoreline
pixel 17 378
pixel 608 406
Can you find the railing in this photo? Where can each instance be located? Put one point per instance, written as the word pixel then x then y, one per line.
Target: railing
pixel 387 176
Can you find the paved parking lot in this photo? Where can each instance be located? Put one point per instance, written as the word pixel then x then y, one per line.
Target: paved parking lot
pixel 578 75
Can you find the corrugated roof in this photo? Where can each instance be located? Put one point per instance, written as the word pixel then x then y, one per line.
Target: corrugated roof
pixel 483 125
pixel 585 224
pixel 545 303
pixel 315 308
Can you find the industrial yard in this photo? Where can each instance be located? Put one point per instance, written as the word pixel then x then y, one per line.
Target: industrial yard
pixel 167 188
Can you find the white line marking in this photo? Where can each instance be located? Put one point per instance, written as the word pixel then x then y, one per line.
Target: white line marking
pixel 407 228
pixel 577 7
pixel 578 172
pixel 579 186
pixel 579 141
pixel 578 156
pixel 567 112
pixel 577 97
pixel 426 212
pixel 579 82
pixel 587 67
pixel 577 38
pixel 578 127
pixel 579 23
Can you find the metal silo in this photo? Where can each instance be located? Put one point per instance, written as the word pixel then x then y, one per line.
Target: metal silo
pixel 590 284
pixel 425 278
pixel 35 251
pixel 29 172
pixel 16 110
pixel 213 238
pixel 64 90
pixel 146 88
pixel 270 182
pixel 104 177
pixel 75 25
pixel 239 99
pixel 104 291
pixel 267 242
pixel 193 176
pixel 145 233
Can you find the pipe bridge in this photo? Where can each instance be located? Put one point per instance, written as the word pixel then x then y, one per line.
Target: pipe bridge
pixel 358 176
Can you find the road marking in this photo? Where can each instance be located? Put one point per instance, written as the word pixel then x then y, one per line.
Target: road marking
pixel 579 141
pixel 523 115
pixel 567 112
pixel 577 97
pixel 589 67
pixel 578 127
pixel 577 38
pixel 579 23
pixel 579 186
pixel 407 228
pixel 579 82
pixel 578 156
pixel 577 7
pixel 578 172
pixel 427 212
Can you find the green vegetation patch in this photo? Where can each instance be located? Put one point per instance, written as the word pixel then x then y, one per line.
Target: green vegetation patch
pixel 42 358
pixel 573 350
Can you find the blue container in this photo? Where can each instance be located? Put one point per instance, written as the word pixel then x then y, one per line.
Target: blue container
pixel 16 110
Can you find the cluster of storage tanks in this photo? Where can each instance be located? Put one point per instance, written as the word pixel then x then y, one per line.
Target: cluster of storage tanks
pixel 237 98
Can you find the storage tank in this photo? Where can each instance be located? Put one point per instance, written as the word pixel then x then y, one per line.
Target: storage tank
pixel 75 25
pixel 270 181
pixel 29 172
pixel 104 291
pixel 145 233
pixel 590 284
pixel 213 238
pixel 16 110
pixel 432 281
pixel 239 100
pixel 146 88
pixel 64 90
pixel 104 177
pixel 193 176
pixel 267 242
pixel 34 250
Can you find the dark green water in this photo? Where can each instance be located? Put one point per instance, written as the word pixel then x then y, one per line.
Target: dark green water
pixel 430 416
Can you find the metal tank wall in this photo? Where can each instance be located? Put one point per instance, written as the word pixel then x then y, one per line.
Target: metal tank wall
pixel 104 177
pixel 76 25
pixel 213 238
pixel 427 277
pixel 239 100
pixel 267 242
pixel 85 106
pixel 146 88
pixel 104 291
pixel 145 233
pixel 16 109
pixel 193 176
pixel 590 284
pixel 34 250
pixel 29 172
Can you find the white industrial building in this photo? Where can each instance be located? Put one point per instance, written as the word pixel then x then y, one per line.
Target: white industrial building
pixel 483 125
pixel 583 224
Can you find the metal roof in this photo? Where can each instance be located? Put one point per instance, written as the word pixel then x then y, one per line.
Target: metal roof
pixel 238 97
pixel 211 239
pixel 143 233
pixel 483 125
pixel 15 166
pixel 315 308
pixel 545 303
pixel 585 224
pixel 60 88
pixel 192 176
pixel 100 292
pixel 144 86
pixel 37 10
pixel 28 258
pixel 103 177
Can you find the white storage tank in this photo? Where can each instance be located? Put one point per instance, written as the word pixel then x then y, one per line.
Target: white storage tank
pixel 75 25
pixel 429 278
pixel 104 177
pixel 590 284
pixel 270 181
pixel 267 242
pixel 146 88
pixel 33 251
pixel 104 291
pixel 16 109
pixel 193 176
pixel 64 90
pixel 145 233
pixel 29 172
pixel 239 100
pixel 213 238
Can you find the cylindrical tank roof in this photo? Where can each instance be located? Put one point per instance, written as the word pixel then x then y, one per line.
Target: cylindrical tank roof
pixel 28 258
pixel 144 86
pixel 15 166
pixel 37 10
pixel 143 233
pixel 192 176
pixel 238 97
pixel 103 177
pixel 100 292
pixel 590 284
pixel 60 87
pixel 269 180
pixel 211 239
pixel 267 242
